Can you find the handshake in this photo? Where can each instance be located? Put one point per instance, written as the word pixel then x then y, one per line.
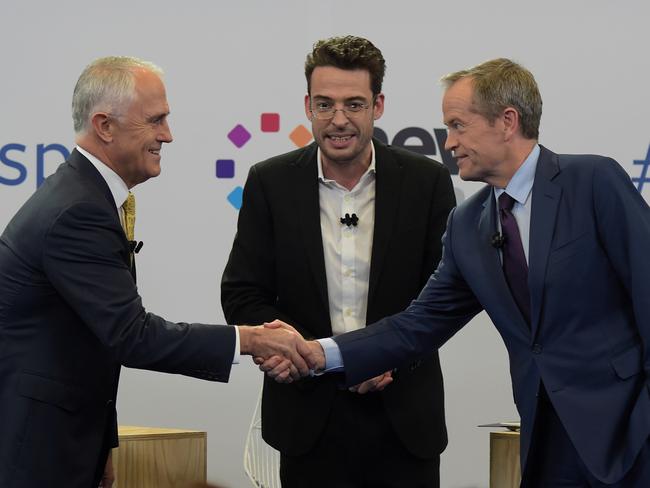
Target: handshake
pixel 284 355
pixel 280 351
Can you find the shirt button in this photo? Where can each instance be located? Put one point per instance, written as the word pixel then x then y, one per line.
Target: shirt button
pixel 348 312
pixel 537 348
pixel 347 272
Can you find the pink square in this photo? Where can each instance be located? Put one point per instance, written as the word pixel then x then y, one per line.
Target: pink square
pixel 270 122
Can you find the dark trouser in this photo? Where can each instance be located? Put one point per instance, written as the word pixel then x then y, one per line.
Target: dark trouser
pixel 553 462
pixel 359 449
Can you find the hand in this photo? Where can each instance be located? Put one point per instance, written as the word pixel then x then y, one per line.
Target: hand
pixel 109 474
pixel 278 339
pixel 378 383
pixel 276 367
pixel 317 359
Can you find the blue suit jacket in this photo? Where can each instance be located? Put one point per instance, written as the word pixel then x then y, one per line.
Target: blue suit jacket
pixel 589 280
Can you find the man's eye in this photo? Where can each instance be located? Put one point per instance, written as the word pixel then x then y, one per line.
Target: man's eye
pixel 323 106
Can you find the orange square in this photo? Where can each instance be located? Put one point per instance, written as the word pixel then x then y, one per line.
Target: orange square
pixel 300 136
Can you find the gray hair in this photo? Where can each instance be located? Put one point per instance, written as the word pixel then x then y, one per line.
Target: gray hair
pixel 501 83
pixel 107 85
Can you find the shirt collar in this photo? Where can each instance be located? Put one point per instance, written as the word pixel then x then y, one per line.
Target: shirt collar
pixel 371 168
pixel 116 185
pixel 521 183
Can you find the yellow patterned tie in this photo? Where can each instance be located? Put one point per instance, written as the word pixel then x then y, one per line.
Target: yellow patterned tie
pixel 129 218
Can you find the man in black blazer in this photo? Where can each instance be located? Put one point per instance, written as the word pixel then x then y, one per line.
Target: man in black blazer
pixel 343 232
pixel 70 313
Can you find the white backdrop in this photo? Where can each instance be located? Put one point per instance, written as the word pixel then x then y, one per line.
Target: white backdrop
pixel 226 63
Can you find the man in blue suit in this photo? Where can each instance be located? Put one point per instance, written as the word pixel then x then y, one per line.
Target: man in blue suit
pixel 554 250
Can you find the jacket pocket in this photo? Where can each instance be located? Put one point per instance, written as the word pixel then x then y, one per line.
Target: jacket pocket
pixel 628 363
pixel 571 247
pixel 50 391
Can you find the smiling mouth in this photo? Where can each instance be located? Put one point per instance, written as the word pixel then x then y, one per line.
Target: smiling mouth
pixel 155 151
pixel 340 139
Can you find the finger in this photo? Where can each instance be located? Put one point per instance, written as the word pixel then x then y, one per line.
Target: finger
pixel 297 346
pixel 383 383
pixel 280 368
pixel 354 388
pixel 284 377
pixel 271 363
pixel 276 324
pixel 295 374
pixel 366 386
pixel 258 360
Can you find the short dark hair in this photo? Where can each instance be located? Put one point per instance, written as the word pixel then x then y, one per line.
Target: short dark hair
pixel 350 53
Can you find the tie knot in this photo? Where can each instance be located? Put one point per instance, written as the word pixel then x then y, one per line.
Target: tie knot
pixel 506 202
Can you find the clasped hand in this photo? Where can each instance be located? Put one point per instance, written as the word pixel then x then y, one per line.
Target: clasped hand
pixel 309 357
pixel 281 351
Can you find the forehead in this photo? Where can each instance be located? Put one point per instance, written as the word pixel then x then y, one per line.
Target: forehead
pixel 331 82
pixel 150 94
pixel 458 98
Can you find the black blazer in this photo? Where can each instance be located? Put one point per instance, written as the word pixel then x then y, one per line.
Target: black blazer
pixel 276 270
pixel 70 315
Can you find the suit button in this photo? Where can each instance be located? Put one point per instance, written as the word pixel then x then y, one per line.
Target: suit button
pixel 109 403
pixel 537 348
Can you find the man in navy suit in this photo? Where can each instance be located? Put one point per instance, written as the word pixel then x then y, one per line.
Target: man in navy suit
pixel 554 249
pixel 70 313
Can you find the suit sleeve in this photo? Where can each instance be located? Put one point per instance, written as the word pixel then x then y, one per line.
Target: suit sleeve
pixel 623 220
pixel 248 285
pixel 444 306
pixel 84 258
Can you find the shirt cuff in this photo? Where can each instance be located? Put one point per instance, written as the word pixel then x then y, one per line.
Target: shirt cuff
pixel 236 355
pixel 333 358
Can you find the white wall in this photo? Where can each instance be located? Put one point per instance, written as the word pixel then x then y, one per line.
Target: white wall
pixel 226 63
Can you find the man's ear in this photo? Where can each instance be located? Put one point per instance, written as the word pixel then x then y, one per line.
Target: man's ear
pixel 103 125
pixel 308 106
pixel 378 106
pixel 511 122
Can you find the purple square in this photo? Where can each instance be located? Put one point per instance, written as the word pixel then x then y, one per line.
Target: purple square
pixel 239 135
pixel 225 168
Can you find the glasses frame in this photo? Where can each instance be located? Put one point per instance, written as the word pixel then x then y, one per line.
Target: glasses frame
pixel 350 115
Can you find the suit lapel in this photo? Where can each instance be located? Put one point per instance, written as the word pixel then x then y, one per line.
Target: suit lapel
pixel 305 183
pixel 388 183
pixel 86 169
pixel 487 227
pixel 544 206
pixel 89 173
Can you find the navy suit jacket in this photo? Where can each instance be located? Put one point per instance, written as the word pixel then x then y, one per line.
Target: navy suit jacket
pixel 70 315
pixel 589 280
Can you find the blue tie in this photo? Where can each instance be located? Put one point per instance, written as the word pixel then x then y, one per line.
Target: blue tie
pixel 515 267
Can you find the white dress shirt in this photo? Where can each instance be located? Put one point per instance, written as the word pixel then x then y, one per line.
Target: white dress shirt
pixel 347 249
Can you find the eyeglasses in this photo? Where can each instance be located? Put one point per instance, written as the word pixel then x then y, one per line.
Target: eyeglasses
pixel 326 111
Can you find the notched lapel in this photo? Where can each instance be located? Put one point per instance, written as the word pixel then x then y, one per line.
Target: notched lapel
pixel 88 171
pixel 546 198
pixel 388 184
pixel 305 182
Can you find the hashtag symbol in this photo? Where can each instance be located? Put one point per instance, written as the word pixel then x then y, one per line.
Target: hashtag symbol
pixel 643 177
